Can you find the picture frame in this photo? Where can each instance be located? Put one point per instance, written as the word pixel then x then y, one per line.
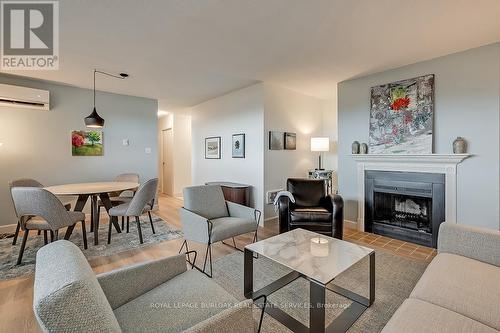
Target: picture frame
pixel 87 143
pixel 238 145
pixel 213 148
pixel 290 141
pixel 276 140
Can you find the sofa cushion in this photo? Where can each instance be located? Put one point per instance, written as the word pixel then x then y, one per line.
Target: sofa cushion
pixel 174 306
pixel 415 316
pixel 310 214
pixel 227 227
pixel 463 285
pixel 206 200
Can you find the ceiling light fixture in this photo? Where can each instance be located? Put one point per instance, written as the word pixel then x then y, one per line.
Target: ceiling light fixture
pixel 94 120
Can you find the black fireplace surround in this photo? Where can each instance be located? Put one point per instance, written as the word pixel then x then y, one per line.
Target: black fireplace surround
pixel 405 205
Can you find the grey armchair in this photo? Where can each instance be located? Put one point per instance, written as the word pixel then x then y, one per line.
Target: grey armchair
pixel 28 182
pixel 208 218
pixel 38 209
pixel 141 203
pixel 68 297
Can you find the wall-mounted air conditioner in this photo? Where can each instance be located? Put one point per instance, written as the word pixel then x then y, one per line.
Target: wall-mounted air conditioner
pixel 22 97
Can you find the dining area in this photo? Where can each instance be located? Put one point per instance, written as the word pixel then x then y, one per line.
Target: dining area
pixel 47 211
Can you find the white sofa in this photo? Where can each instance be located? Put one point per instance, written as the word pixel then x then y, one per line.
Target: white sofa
pixel 460 289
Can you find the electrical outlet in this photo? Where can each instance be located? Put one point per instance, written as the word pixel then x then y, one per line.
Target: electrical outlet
pixel 125 142
pixel 147 150
pixel 271 195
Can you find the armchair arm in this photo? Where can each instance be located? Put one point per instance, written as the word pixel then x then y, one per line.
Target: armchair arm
pixel 237 210
pixel 195 227
pixel 474 243
pixel 124 284
pixel 284 205
pixel 236 319
pixel 337 206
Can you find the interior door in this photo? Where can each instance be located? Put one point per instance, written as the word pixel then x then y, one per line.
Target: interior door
pixel 167 162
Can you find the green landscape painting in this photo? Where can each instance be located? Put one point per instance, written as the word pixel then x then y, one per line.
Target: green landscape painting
pixel 86 143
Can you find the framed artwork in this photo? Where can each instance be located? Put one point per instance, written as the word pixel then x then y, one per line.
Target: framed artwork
pixel 238 146
pixel 401 117
pixel 290 141
pixel 276 140
pixel 212 147
pixel 86 143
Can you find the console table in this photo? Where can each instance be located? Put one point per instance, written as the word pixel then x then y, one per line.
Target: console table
pixel 234 192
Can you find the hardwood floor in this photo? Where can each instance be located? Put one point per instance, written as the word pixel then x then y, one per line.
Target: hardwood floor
pixel 16 295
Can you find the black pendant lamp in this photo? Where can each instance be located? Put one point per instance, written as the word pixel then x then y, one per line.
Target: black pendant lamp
pixel 94 120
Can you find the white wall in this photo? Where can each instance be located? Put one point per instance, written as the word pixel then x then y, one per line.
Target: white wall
pixel 241 111
pixel 37 144
pixel 290 111
pixel 467 103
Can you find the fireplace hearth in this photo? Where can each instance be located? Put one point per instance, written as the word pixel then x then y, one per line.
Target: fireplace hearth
pixel 408 206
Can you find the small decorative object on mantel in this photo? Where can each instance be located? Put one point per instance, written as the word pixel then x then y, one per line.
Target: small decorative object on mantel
pixel 355 147
pixel 459 146
pixel 363 149
pixel 238 145
pixel 212 148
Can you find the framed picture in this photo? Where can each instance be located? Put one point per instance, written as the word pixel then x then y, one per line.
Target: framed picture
pixel 238 145
pixel 86 143
pixel 276 140
pixel 401 117
pixel 290 141
pixel 212 147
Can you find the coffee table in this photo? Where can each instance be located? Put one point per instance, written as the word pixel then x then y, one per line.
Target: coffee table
pixel 319 259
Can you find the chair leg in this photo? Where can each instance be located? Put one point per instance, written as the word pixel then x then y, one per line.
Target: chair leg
pixel 208 253
pixel 39 232
pixel 91 220
pixel 151 221
pixel 182 246
pixel 109 228
pixel 128 220
pixel 56 234
pixel 14 241
pixel 23 245
pixel 123 222
pixel 84 235
pixel 45 238
pixel 51 236
pixel 138 222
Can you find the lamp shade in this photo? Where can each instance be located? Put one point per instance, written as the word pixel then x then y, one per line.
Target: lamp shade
pixel 94 120
pixel 320 144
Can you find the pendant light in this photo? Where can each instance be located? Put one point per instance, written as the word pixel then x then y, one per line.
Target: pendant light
pixel 94 120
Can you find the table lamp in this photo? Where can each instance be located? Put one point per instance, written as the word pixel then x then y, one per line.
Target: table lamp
pixel 320 144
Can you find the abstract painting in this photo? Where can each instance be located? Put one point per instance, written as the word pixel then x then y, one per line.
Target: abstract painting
pixel 212 148
pixel 86 143
pixel 238 146
pixel 401 117
pixel 276 140
pixel 290 141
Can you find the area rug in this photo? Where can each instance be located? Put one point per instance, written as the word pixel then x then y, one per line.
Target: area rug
pixel 395 277
pixel 119 242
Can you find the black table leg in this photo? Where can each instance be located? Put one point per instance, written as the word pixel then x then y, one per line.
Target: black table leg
pixel 95 220
pixel 317 309
pixel 80 203
pixel 248 273
pixel 108 205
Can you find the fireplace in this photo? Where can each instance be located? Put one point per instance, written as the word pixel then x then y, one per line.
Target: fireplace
pixel 408 206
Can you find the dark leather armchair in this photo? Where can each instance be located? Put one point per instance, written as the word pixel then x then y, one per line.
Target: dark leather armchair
pixel 313 209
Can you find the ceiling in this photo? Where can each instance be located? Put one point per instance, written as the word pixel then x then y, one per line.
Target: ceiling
pixel 183 52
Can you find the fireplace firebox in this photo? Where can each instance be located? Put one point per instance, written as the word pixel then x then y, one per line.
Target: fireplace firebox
pixel 405 205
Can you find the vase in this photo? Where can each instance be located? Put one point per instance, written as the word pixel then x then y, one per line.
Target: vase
pixel 355 147
pixel 363 148
pixel 459 146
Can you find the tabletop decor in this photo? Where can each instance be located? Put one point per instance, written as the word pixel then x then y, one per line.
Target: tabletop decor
pixel 320 144
pixel 459 146
pixel 401 117
pixel 212 147
pixel 238 149
pixel 86 143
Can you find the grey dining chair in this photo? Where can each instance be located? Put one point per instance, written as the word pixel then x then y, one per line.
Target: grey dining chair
pixel 118 198
pixel 45 212
pixel 208 218
pixel 141 203
pixel 28 182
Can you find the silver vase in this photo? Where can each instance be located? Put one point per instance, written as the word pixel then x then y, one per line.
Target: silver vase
pixel 355 147
pixel 459 146
pixel 363 148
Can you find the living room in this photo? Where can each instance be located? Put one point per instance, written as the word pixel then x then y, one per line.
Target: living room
pixel 257 166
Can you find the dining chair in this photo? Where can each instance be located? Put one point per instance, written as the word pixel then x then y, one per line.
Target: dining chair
pixel 118 198
pixel 28 182
pixel 39 209
pixel 141 203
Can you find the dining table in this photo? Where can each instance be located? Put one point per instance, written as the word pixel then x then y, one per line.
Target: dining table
pixel 94 191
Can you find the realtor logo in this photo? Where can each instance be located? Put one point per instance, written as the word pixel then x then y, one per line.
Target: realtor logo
pixel 30 35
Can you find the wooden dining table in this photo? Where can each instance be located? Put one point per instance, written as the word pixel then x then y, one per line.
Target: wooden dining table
pixel 94 191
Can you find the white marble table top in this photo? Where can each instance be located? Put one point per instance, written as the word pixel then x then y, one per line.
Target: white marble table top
pixel 316 256
pixel 91 188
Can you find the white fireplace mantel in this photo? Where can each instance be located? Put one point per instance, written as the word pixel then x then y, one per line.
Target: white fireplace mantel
pixel 432 163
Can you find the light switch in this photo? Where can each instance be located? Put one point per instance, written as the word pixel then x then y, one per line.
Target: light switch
pixel 125 142
pixel 147 150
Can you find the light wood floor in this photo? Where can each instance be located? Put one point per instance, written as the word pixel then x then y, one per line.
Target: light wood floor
pixel 16 295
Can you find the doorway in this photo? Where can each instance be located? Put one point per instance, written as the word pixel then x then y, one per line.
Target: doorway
pixel 167 161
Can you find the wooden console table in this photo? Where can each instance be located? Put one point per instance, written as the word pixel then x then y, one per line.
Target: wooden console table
pixel 234 192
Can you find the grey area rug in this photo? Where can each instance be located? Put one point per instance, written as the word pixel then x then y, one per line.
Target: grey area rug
pixel 119 243
pixel 395 278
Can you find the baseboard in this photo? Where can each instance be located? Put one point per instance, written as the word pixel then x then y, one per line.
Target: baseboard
pixel 8 229
pixel 270 220
pixel 351 224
